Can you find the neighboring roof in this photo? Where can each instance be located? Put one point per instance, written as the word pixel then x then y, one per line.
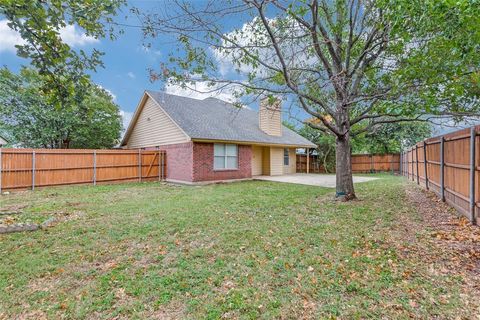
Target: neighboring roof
pixel 3 141
pixel 214 119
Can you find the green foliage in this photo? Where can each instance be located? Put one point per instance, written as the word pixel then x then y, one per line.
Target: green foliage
pixel 391 60
pixel 439 74
pixel 39 24
pixel 325 145
pixel 391 137
pixel 31 120
pixel 387 138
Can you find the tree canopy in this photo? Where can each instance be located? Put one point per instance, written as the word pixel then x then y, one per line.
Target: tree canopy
pixel 386 138
pixel 391 137
pixel 352 64
pixel 30 119
pixel 39 24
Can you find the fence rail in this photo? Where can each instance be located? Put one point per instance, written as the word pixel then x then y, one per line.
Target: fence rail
pixel 448 166
pixel 32 168
pixel 361 163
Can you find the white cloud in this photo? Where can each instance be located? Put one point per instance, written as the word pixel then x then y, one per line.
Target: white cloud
pixel 70 34
pixel 252 34
pixel 126 118
pixel 131 75
pixel 9 37
pixel 200 90
pixel 114 96
pixel 75 38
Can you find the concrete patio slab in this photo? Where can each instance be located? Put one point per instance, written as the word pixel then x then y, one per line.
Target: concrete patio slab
pixel 320 180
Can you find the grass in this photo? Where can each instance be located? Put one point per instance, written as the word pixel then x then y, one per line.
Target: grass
pixel 243 250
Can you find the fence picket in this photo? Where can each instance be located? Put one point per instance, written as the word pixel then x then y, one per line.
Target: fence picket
pixel 450 169
pixel 442 169
pixel 416 162
pixel 32 168
pixel 361 163
pixel 94 168
pixel 472 173
pixel 425 164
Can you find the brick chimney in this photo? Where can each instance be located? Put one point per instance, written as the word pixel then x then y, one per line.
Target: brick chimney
pixel 270 116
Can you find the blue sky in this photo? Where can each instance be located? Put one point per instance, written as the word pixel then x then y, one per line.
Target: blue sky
pixel 126 60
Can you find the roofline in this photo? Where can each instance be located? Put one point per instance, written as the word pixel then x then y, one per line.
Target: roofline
pixel 146 95
pixel 134 120
pixel 254 143
pixel 168 115
pixel 128 132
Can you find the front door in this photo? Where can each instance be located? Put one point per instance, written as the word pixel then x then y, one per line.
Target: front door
pixel 257 160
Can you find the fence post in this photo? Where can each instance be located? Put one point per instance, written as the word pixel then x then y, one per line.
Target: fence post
pixel 425 163
pixel 94 167
pixel 472 174
pixel 160 166
pixel 308 161
pixel 33 170
pixel 400 164
pixel 442 168
pixel 372 166
pixel 140 165
pixel 413 176
pixel 163 165
pixel 0 171
pixel 416 160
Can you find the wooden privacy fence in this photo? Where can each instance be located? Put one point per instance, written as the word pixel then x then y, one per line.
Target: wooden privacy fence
pixel 361 163
pixel 31 168
pixel 449 166
pixel 314 164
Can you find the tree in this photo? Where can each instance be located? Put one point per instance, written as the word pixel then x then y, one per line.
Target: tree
pixel 39 24
pixel 325 145
pixel 391 137
pixel 351 64
pixel 385 138
pixel 31 120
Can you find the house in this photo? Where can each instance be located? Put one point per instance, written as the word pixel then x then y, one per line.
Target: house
pixel 3 142
pixel 210 139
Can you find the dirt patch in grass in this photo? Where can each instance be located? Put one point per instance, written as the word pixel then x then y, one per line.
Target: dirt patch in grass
pixel 447 243
pixel 172 311
pixel 453 235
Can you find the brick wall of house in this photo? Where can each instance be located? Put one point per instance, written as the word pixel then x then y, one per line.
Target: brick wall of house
pixel 179 161
pixel 203 164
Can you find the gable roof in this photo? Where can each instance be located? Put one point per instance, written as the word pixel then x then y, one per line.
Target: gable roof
pixel 214 119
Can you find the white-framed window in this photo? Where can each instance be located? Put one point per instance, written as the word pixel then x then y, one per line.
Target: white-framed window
pixel 225 156
pixel 286 157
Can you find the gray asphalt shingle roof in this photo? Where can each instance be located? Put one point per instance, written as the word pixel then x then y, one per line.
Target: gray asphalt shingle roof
pixel 214 119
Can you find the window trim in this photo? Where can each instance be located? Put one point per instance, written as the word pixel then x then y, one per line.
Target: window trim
pixel 226 156
pixel 286 156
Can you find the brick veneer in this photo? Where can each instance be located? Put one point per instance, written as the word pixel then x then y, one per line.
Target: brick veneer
pixel 193 162
pixel 203 164
pixel 179 161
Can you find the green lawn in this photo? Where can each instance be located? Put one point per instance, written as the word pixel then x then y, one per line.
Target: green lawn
pixel 240 250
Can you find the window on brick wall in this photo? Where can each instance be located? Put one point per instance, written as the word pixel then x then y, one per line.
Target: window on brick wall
pixel 286 157
pixel 225 156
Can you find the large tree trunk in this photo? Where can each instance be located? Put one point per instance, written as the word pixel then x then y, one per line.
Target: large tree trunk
pixel 344 177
